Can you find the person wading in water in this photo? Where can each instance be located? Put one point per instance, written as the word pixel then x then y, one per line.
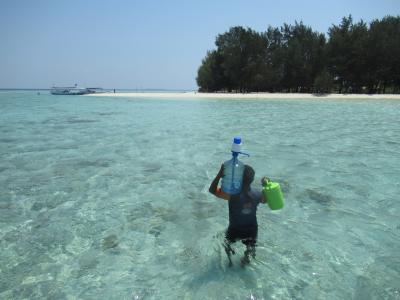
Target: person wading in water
pixel 242 214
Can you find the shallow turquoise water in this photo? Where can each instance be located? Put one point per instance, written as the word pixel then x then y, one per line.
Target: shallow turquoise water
pixel 104 198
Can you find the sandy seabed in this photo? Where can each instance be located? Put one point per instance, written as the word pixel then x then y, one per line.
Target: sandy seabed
pixel 260 96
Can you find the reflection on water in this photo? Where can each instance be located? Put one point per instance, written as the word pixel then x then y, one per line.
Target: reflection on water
pixel 109 198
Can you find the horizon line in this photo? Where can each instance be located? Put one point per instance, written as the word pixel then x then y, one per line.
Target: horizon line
pixel 119 89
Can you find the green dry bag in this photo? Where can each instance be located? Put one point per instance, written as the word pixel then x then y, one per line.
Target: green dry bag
pixel 272 192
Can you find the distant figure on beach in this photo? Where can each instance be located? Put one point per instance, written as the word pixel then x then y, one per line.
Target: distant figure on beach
pixel 114 91
pixel 242 214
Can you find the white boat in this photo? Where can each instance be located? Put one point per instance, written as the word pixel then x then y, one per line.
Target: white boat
pixel 69 90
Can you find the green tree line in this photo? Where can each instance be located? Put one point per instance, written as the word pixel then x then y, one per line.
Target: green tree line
pixel 353 58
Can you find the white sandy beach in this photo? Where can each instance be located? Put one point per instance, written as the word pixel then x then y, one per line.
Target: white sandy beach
pixel 260 96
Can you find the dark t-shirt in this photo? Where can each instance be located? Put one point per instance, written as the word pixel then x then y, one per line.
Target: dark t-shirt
pixel 243 209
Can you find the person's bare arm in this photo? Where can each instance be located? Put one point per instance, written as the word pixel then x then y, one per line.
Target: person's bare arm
pixel 264 180
pixel 263 199
pixel 214 186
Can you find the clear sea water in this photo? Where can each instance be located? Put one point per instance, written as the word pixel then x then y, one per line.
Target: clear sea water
pixel 107 198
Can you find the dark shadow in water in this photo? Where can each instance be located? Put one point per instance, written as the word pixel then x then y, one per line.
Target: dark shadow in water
pixel 149 168
pixel 319 197
pixel 93 163
pixel 66 147
pixel 304 164
pixel 8 140
pixel 50 121
pixel 110 241
pixel 80 121
pixel 392 142
pixel 108 113
pixel 156 230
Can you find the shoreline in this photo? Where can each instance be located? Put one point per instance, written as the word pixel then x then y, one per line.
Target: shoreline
pixel 253 96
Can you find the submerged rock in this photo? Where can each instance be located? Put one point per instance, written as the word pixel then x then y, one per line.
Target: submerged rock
pixel 37 206
pixel 319 197
pixel 110 241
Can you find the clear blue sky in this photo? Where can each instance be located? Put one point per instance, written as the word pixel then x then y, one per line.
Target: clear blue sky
pixel 142 44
